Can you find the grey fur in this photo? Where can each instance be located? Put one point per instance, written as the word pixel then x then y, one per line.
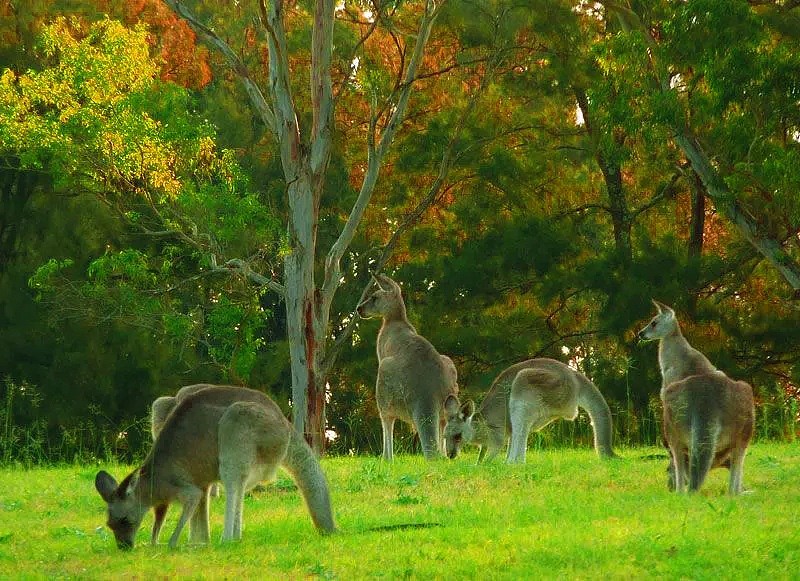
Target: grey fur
pixel 527 396
pixel 413 378
pixel 159 411
pixel 226 433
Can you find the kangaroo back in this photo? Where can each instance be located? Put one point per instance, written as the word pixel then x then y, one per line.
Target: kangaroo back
pixel 542 390
pixel 163 405
pixel 708 422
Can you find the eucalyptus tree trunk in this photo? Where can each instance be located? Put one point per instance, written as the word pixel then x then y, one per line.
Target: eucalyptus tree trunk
pixel 304 160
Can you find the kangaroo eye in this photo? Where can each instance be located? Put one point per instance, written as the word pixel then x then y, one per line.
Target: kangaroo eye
pixel 457 437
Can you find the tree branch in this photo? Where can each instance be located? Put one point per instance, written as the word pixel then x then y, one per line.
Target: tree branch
pixel 237 265
pixel 287 128
pixel 321 87
pixel 375 154
pixel 234 62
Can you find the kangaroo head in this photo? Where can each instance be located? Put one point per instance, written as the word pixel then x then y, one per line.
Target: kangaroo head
pixel 659 326
pixel 458 430
pixel 125 512
pixel 382 299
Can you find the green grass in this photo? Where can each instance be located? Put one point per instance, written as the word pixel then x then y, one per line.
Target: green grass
pixel 565 514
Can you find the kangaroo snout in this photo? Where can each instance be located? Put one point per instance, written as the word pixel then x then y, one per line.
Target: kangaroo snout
pixel 124 545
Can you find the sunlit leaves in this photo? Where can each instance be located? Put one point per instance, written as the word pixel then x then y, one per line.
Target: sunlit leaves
pixel 77 117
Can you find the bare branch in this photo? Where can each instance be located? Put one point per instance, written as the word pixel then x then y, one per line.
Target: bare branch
pixel 234 62
pixel 321 86
pixel 237 265
pixel 375 157
pixel 450 153
pixel 287 129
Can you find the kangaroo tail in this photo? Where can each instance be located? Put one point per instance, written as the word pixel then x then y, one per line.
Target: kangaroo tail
pixel 590 399
pixel 702 449
pixel 304 467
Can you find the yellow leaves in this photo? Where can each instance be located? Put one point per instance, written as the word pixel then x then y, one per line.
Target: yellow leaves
pixel 86 112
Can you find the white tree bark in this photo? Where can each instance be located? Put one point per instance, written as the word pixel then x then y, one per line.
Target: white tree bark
pixel 307 308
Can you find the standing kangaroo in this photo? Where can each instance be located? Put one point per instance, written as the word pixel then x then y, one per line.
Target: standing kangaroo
pixel 232 434
pixel 708 417
pixel 524 397
pixel 413 378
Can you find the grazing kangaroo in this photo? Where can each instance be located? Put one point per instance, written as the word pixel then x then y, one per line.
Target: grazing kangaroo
pixel 413 378
pixel 524 397
pixel 708 417
pixel 226 433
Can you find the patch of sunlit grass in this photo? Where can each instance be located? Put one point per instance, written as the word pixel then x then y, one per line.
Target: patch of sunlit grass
pixel 563 514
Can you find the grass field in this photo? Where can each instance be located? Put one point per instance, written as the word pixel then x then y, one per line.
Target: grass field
pixel 565 514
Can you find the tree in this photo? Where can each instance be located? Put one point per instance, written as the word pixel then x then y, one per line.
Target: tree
pixel 688 61
pixel 97 121
pixel 305 153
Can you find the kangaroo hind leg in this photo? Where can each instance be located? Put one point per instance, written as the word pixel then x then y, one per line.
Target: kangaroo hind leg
pixel 427 424
pixel 525 416
pixel 198 525
pixel 736 484
pixel 252 443
pixel 387 423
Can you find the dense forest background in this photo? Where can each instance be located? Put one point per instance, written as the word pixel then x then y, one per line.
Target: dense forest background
pixel 559 164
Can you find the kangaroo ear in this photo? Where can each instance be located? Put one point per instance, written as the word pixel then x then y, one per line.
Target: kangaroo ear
pixel 662 308
pixel 451 406
pixel 376 280
pixel 105 485
pixel 468 409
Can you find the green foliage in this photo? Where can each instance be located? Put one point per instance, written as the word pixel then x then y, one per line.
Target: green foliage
pixel 96 118
pixel 549 236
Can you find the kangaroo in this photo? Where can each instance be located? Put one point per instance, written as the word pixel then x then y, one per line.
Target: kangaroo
pixel 708 417
pixel 526 396
pixel 708 421
pixel 226 433
pixel 676 358
pixel 413 378
pixel 160 409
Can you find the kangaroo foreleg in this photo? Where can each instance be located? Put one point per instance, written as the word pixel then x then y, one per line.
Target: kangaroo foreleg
pixel 160 512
